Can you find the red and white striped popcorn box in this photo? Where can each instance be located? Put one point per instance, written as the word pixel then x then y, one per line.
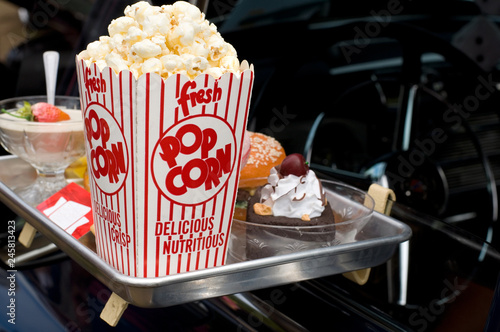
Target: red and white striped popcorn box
pixel 163 161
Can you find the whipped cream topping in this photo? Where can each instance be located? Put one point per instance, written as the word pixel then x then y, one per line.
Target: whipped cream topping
pixel 294 196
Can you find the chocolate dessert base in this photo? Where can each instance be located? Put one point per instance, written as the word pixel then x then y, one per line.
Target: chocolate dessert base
pixel 264 241
pixel 326 218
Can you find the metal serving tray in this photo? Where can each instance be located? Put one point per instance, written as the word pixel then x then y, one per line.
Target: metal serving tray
pixel 381 236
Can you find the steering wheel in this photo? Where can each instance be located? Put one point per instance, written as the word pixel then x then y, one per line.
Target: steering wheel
pixel 410 167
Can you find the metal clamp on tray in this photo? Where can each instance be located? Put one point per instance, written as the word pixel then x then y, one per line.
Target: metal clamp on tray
pixel 384 198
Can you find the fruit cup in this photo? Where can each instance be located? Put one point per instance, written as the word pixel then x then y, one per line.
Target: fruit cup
pixel 48 144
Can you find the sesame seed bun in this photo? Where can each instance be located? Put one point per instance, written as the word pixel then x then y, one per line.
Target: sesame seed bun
pixel 265 153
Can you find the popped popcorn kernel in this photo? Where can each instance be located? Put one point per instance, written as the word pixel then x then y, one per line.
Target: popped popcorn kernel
pixel 171 62
pixel 145 49
pixel 115 61
pixel 120 25
pixel 167 40
pixel 152 65
pixel 134 35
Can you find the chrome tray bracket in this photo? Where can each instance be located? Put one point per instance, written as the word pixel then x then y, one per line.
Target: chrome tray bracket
pixel 383 197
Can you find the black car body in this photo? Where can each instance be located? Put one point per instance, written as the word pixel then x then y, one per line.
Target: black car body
pixel 401 93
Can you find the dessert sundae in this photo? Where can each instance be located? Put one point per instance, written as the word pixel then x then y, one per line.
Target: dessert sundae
pixel 46 136
pixel 293 196
pixel 295 211
pixel 289 213
pixel 43 134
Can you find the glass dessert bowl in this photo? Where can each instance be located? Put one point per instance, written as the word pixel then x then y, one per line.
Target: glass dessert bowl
pixel 50 147
pixel 353 208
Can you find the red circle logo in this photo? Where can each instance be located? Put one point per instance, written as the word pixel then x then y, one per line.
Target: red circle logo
pixel 194 159
pixel 107 152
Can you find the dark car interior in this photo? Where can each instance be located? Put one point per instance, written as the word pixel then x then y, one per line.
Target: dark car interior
pixel 390 108
pixel 405 94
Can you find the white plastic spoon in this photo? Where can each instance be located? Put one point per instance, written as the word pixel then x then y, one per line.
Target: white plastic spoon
pixel 51 64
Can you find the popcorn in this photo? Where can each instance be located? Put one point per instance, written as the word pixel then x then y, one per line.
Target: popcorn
pixel 171 62
pixel 120 25
pixel 145 49
pixel 152 65
pixel 115 61
pixel 134 35
pixel 230 63
pixel 98 49
pixel 166 40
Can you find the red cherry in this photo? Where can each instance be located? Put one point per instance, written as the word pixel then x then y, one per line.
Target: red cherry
pixel 294 164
